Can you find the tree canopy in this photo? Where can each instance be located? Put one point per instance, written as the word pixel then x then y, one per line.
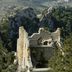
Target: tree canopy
pixel 61 63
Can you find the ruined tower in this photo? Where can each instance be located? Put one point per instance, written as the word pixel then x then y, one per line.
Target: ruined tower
pixel 23 56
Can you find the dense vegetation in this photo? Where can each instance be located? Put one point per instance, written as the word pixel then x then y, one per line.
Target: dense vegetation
pixel 6 60
pixel 61 63
pixel 58 62
pixel 60 17
pixel 64 19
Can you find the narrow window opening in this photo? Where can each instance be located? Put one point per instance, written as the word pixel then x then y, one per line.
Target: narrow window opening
pixel 45 43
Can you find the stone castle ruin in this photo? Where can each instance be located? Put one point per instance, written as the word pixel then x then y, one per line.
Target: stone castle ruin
pixel 42 46
pixel 23 56
pixel 35 50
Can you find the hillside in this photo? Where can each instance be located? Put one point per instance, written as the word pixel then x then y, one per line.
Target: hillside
pixel 40 5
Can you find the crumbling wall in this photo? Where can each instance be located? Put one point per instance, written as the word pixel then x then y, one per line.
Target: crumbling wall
pixel 23 56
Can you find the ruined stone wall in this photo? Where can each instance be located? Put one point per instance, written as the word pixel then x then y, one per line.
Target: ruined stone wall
pixel 23 55
pixel 42 44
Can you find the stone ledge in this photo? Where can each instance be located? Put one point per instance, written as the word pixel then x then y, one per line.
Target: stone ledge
pixel 41 69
